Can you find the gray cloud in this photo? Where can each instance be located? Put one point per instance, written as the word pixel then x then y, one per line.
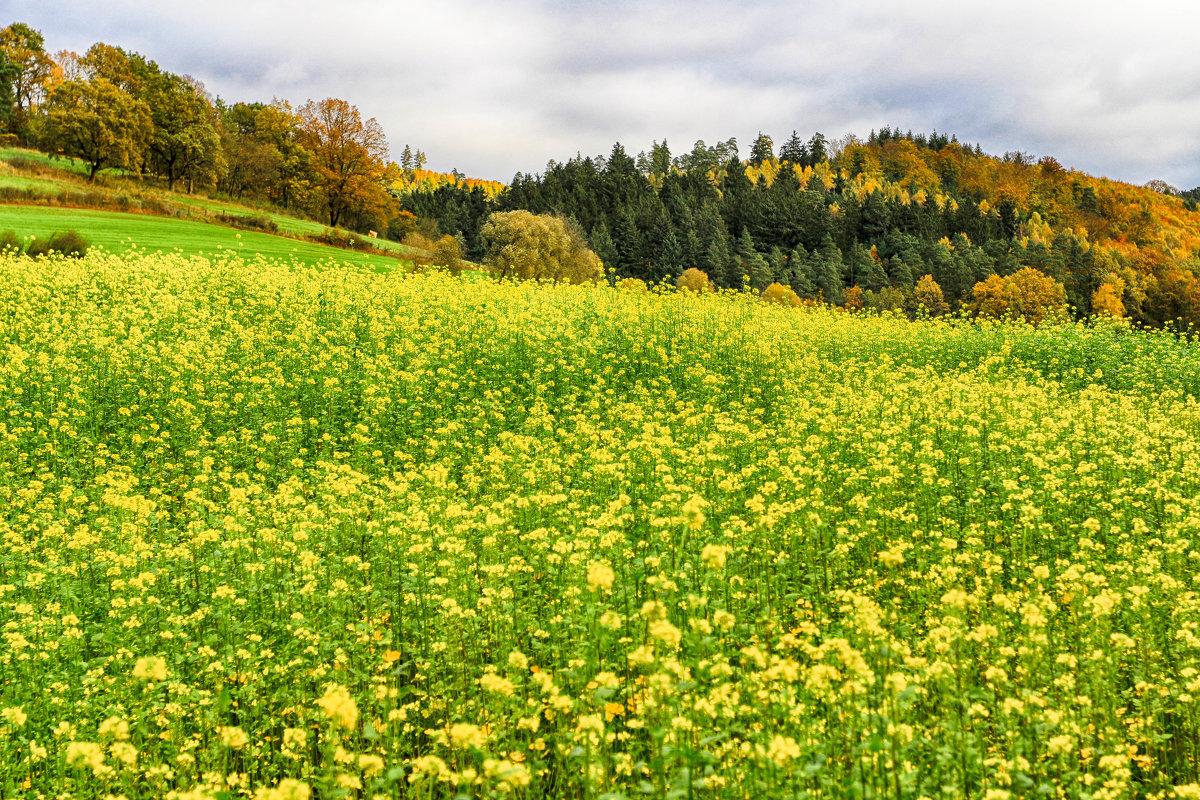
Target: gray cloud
pixel 491 88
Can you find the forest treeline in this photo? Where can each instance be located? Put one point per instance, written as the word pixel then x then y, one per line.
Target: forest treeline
pixel 115 109
pixel 861 222
pixel 892 221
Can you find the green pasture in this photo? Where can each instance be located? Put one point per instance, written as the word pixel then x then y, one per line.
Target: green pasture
pixel 69 175
pixel 294 226
pixel 64 163
pixel 117 232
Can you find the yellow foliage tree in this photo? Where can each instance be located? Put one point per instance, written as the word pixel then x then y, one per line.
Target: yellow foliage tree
pixel 348 160
pixel 783 295
pixel 854 299
pixel 928 295
pixel 1106 300
pixel 1027 294
pixel 1035 295
pixel 694 280
pixel 991 297
pixel 538 247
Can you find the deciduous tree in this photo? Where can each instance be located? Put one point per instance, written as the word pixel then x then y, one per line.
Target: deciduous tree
pixel 25 50
pixel 538 247
pixel 1036 296
pixel 348 156
pixel 928 296
pixel 185 140
pixel 98 123
pixel 1106 300
pixel 8 73
pixel 1026 294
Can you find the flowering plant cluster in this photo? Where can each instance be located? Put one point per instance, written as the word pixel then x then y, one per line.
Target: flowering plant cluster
pixel 274 532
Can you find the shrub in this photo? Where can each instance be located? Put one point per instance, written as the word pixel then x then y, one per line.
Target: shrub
pixel 538 247
pixel 26 164
pixel 248 222
pixel 447 252
pixel 444 252
pixel 783 295
pixel 889 298
pixel 10 241
pixel 346 241
pixel 68 243
pixel 694 280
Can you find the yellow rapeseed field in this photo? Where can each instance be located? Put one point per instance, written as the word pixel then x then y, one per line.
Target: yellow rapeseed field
pixel 272 532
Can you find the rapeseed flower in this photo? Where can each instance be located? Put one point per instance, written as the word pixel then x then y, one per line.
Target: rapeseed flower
pixel 339 706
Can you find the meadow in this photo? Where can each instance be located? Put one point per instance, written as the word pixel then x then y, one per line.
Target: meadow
pixel 279 532
pixel 175 221
pixel 119 232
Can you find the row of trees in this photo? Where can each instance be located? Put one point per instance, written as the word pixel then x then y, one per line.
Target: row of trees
pixel 112 108
pixel 847 220
pixel 844 221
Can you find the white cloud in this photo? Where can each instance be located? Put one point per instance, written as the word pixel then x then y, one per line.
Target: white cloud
pixel 495 88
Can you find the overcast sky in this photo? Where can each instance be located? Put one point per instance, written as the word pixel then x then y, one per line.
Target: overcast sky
pixel 493 88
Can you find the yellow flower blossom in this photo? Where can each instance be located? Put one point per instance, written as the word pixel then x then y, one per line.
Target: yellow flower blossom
pixel 464 735
pixel 233 736
pixel 150 668
pixel 85 754
pixel 714 555
pixel 339 706
pixel 600 576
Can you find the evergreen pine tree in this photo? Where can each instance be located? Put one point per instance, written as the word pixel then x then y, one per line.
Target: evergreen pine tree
pixel 800 276
pixel 602 245
pixel 874 277
pixel 794 150
pixel 827 267
pixel 941 267
pixel 751 264
pixel 759 272
pixel 763 150
pixel 857 263
pixel 777 266
pixel 816 150
pixel 718 262
pixel 668 262
pixel 900 273
pixel 627 243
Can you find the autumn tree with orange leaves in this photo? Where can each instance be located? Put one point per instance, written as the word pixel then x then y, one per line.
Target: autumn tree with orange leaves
pixel 349 156
pixel 1026 294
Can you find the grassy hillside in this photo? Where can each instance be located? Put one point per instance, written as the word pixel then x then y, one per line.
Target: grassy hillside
pixel 117 232
pixel 189 223
pixel 270 528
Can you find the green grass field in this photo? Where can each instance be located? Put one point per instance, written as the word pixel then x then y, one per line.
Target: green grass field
pixel 287 224
pixel 65 175
pixel 117 233
pixel 36 184
pixel 72 165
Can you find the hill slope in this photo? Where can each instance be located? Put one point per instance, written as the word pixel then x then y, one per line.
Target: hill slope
pixel 861 222
pixel 47 195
